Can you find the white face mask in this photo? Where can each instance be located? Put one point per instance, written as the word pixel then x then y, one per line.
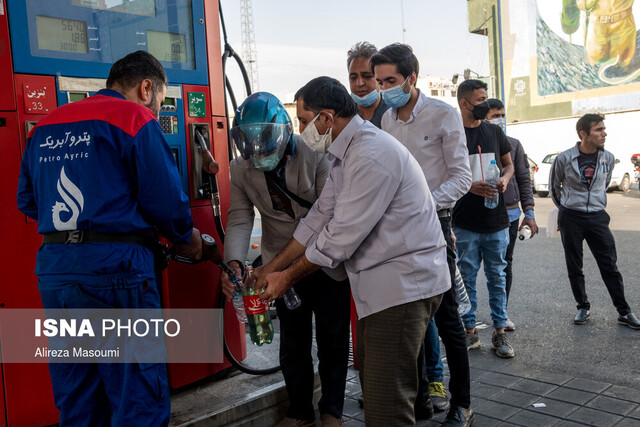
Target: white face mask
pixel 313 139
pixel 500 121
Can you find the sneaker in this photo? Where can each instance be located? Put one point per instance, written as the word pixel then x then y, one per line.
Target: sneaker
pixel 629 320
pixel 293 422
pixel 328 420
pixel 509 326
pixel 473 340
pixel 438 397
pixel 424 410
pixel 582 317
pixel 459 417
pixel 500 344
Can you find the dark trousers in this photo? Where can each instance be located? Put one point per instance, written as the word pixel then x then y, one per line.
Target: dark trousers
pixel 513 236
pixel 330 301
pixel 388 343
pixel 104 394
pixel 453 336
pixel 594 228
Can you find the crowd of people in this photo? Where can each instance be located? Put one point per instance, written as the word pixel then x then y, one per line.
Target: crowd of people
pixel 380 197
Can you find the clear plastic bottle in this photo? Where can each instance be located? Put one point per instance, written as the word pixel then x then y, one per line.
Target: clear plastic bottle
pixel 464 305
pixel 291 299
pixel 524 233
pixel 237 300
pixel 491 176
pixel 258 317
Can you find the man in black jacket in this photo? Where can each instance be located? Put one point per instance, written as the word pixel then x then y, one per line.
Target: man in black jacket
pixel 518 190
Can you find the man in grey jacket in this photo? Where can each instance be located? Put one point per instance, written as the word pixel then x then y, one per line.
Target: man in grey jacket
pixel 518 190
pixel 282 177
pixel 578 180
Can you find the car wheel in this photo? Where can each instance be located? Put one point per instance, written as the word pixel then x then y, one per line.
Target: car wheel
pixel 543 193
pixel 625 184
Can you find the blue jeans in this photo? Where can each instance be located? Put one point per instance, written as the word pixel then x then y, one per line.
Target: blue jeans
pixel 435 368
pixel 472 249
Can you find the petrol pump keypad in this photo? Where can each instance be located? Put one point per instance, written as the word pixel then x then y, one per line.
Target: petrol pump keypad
pixel 169 124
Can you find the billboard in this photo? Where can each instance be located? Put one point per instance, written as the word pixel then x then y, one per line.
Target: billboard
pixel 563 58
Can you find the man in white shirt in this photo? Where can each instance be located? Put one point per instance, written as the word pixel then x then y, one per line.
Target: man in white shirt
pixel 433 133
pixel 377 216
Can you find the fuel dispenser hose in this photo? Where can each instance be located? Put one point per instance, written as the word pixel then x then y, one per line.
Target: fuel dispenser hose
pixel 215 202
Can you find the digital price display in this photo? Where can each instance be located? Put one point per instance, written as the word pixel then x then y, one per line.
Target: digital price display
pixel 167 46
pixel 62 35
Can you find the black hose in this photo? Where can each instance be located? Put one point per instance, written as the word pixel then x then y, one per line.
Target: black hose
pixel 228 51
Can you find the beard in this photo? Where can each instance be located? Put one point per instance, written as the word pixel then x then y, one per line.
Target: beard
pixel 152 105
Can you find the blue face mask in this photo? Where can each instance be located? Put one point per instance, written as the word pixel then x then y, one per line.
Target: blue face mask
pixel 266 163
pixel 366 100
pixel 395 97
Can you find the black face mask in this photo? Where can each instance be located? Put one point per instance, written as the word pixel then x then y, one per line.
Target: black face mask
pixel 481 110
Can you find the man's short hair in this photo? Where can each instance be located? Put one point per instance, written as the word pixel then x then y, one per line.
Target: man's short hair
pixel 361 50
pixel 327 93
pixel 585 122
pixel 129 71
pixel 467 88
pixel 495 104
pixel 401 55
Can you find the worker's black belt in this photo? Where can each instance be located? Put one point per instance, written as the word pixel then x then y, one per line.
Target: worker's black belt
pixel 444 213
pixel 85 236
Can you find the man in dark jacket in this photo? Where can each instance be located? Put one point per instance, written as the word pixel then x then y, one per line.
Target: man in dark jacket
pixel 518 190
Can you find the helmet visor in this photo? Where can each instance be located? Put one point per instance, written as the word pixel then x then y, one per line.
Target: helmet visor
pixel 260 138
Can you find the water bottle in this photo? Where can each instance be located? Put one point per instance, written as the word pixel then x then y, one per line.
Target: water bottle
pixel 258 317
pixel 291 299
pixel 464 305
pixel 525 233
pixel 491 176
pixel 238 300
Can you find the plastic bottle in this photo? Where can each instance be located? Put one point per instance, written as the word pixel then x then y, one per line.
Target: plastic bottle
pixel 491 176
pixel 258 317
pixel 464 305
pixel 524 233
pixel 291 299
pixel 238 300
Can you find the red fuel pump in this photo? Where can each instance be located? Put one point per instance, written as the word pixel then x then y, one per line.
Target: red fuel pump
pixel 70 46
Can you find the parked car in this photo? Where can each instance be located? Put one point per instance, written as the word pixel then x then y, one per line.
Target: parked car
pixel 541 175
pixel 621 179
pixel 533 167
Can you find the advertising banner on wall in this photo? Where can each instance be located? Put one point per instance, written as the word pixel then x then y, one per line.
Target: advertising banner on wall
pixel 564 58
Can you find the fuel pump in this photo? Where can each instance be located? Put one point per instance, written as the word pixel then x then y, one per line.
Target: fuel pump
pixel 60 51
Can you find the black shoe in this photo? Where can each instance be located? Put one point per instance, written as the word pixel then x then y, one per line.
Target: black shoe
pixel 458 416
pixel 629 320
pixel 582 317
pixel 424 410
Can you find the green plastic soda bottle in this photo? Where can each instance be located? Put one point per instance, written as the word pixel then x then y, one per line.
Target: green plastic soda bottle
pixel 258 317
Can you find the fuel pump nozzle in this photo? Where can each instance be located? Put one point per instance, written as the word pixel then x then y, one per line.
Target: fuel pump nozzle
pixel 210 252
pixel 209 164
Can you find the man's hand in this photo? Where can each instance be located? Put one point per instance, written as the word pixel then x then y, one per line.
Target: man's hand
pixel 502 184
pixel 258 278
pixel 227 286
pixel 483 189
pixel 193 249
pixel 531 222
pixel 277 284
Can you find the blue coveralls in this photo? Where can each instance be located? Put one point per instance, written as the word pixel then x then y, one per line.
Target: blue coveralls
pixel 102 164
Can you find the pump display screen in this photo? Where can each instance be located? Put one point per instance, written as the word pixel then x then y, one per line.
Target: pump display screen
pixel 138 7
pixel 167 46
pixel 62 35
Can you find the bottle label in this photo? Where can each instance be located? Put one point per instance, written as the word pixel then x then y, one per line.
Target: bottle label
pixel 254 305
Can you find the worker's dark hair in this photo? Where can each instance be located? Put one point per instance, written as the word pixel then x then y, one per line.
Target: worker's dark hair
pixel 467 88
pixel 495 104
pixel 127 72
pixel 399 54
pixel 361 50
pixel 327 92
pixel 585 122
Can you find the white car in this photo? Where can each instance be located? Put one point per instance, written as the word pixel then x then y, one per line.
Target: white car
pixel 541 175
pixel 621 179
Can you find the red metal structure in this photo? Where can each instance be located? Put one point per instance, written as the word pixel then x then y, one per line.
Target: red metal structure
pixel 198 105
